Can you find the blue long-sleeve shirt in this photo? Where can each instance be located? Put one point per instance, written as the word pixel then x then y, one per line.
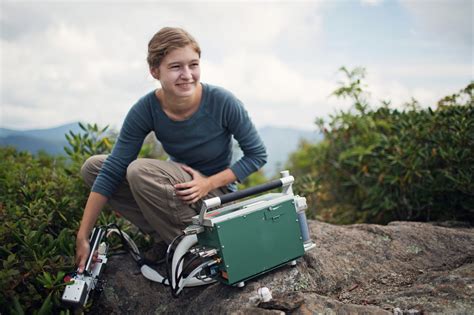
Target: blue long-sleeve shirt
pixel 203 142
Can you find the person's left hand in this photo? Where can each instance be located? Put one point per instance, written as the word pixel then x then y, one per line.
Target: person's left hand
pixel 190 192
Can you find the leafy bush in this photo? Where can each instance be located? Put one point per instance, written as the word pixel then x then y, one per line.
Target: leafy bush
pixel 40 209
pixel 384 164
pixel 254 179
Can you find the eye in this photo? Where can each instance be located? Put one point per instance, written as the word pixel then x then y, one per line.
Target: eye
pixel 174 67
pixel 195 64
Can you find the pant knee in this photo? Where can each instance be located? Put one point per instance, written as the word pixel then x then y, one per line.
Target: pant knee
pixel 143 172
pixel 135 172
pixel 91 168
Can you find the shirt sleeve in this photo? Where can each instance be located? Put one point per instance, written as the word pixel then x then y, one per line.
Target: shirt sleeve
pixel 129 142
pixel 245 133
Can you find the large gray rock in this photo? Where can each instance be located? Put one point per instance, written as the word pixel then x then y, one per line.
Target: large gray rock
pixel 401 268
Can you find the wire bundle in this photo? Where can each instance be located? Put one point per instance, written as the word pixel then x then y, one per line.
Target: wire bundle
pixel 175 272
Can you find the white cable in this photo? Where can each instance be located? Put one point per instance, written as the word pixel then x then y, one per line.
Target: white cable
pixel 186 243
pixel 151 274
pixel 191 281
pixel 135 251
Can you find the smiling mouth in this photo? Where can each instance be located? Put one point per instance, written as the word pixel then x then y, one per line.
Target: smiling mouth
pixel 185 85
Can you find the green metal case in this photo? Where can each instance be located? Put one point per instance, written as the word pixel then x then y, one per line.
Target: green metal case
pixel 253 237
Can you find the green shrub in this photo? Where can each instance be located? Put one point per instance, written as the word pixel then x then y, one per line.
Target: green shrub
pixel 254 179
pixel 40 210
pixel 379 165
pixel 41 203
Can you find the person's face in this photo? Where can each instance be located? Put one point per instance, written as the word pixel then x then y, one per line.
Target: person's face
pixel 179 72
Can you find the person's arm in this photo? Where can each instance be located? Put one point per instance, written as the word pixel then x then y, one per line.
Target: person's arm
pixel 190 192
pixel 94 205
pixel 240 125
pixel 137 124
pixel 134 130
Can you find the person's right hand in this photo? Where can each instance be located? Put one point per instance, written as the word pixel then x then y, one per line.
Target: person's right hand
pixel 82 252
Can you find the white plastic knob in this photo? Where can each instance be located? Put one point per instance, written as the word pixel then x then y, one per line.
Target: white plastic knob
pixel 102 248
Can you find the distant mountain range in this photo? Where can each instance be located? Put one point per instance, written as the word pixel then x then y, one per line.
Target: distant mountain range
pixel 50 140
pixel 280 142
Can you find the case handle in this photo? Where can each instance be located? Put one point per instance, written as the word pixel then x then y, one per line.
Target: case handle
pixel 285 181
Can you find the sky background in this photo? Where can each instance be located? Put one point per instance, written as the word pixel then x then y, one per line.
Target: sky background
pixel 64 61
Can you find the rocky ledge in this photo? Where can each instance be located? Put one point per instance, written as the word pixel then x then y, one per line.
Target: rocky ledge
pixel 400 268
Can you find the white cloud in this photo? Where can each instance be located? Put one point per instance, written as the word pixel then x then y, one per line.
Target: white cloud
pixel 272 90
pixel 427 69
pixel 383 87
pixel 445 19
pixel 371 2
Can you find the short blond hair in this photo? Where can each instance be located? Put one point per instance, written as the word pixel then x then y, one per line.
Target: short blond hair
pixel 166 40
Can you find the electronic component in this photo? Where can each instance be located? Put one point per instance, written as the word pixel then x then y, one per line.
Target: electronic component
pixel 77 293
pixel 254 236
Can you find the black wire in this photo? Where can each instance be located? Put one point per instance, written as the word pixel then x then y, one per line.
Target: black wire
pixel 177 267
pixel 118 253
pixel 199 276
pixel 124 241
pixel 179 277
pixel 186 267
pixel 168 268
pixel 206 278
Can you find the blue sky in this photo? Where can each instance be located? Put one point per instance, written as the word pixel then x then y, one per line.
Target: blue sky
pixel 63 61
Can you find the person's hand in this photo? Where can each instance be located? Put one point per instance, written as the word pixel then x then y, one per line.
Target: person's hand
pixel 82 252
pixel 190 192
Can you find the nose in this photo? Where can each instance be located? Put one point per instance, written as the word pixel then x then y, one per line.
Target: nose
pixel 186 73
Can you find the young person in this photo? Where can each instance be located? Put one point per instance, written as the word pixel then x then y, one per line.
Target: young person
pixel 195 123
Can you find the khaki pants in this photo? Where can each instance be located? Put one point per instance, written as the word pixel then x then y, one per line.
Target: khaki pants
pixel 146 196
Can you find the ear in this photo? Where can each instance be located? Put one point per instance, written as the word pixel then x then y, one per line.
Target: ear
pixel 155 72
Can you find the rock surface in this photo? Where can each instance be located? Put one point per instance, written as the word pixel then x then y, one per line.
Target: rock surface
pixel 400 268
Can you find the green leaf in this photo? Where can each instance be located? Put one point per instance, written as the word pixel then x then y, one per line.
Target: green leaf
pixel 47 306
pixel 17 308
